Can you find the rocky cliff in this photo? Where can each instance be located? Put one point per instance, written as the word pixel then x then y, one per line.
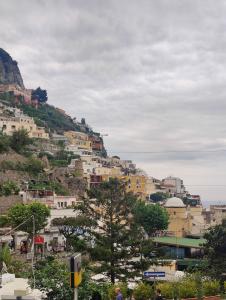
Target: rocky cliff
pixel 9 71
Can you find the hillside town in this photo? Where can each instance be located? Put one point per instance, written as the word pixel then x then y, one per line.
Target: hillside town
pixel 58 165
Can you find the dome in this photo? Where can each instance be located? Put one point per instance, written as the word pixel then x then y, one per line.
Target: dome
pixel 174 202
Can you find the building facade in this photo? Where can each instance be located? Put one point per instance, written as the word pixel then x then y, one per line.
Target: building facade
pixel 80 139
pixel 9 125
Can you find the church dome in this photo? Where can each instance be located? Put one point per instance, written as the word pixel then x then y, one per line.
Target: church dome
pixel 174 202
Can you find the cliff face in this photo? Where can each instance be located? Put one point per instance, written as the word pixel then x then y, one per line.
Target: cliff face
pixel 9 71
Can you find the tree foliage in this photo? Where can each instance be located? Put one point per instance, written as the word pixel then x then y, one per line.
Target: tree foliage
pixel 143 292
pixel 159 196
pixel 115 236
pixel 151 217
pixel 22 213
pixel 74 230
pixel 52 277
pixel 40 95
pixel 4 143
pixel 20 140
pixel 215 250
pixel 8 188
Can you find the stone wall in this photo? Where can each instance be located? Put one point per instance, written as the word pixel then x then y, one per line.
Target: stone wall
pixel 7 202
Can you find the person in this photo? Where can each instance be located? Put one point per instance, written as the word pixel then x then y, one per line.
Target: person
pixel 158 295
pixel 118 294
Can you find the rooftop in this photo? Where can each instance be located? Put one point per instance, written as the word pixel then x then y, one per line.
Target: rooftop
pixel 174 202
pixel 183 242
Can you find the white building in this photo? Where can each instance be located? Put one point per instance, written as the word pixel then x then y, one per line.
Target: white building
pixel 18 288
pixel 49 198
pixel 174 185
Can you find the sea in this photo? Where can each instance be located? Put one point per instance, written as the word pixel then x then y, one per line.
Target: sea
pixel 207 203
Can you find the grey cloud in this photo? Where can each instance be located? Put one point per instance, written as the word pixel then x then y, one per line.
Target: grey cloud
pixel 149 73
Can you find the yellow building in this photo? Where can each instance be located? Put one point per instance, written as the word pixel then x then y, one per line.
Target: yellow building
pixel 184 220
pixel 80 139
pixel 178 221
pixel 9 125
pixel 135 183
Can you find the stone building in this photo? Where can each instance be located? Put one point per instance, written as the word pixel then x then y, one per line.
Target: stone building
pixel 10 125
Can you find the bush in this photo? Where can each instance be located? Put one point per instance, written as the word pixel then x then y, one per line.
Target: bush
pixel 59 163
pixel 143 292
pixel 167 290
pixel 4 221
pixel 20 140
pixel 4 143
pixel 112 294
pixel 189 287
pixel 8 165
pixel 50 185
pixel 211 288
pixel 9 188
pixel 33 166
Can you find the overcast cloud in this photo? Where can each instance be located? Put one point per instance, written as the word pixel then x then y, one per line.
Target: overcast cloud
pixel 151 74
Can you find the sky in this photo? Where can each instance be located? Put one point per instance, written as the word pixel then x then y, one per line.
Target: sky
pixel 150 74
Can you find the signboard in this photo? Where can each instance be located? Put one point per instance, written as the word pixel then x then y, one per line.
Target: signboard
pixel 148 274
pixel 76 271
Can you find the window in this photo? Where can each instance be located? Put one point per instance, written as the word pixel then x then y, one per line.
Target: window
pixel 65 204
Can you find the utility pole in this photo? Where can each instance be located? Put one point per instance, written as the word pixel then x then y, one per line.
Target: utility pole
pixel 33 254
pixel 75 273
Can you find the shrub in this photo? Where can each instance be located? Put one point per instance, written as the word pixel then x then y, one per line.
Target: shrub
pixel 169 290
pixel 9 188
pixel 33 166
pixel 187 288
pixel 143 292
pixel 4 143
pixel 59 163
pixel 51 185
pixel 4 221
pixel 8 165
pixel 20 140
pixel 111 291
pixel 211 287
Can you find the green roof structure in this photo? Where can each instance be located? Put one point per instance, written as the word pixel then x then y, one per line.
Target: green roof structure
pixel 180 242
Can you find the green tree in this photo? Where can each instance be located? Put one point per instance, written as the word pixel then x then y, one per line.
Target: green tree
pixel 52 277
pixel 33 166
pixel 151 217
pixel 5 256
pixel 159 196
pixel 21 215
pixel 8 188
pixel 40 95
pixel 4 143
pixel 74 230
pixel 20 140
pixel 114 235
pixel 215 250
